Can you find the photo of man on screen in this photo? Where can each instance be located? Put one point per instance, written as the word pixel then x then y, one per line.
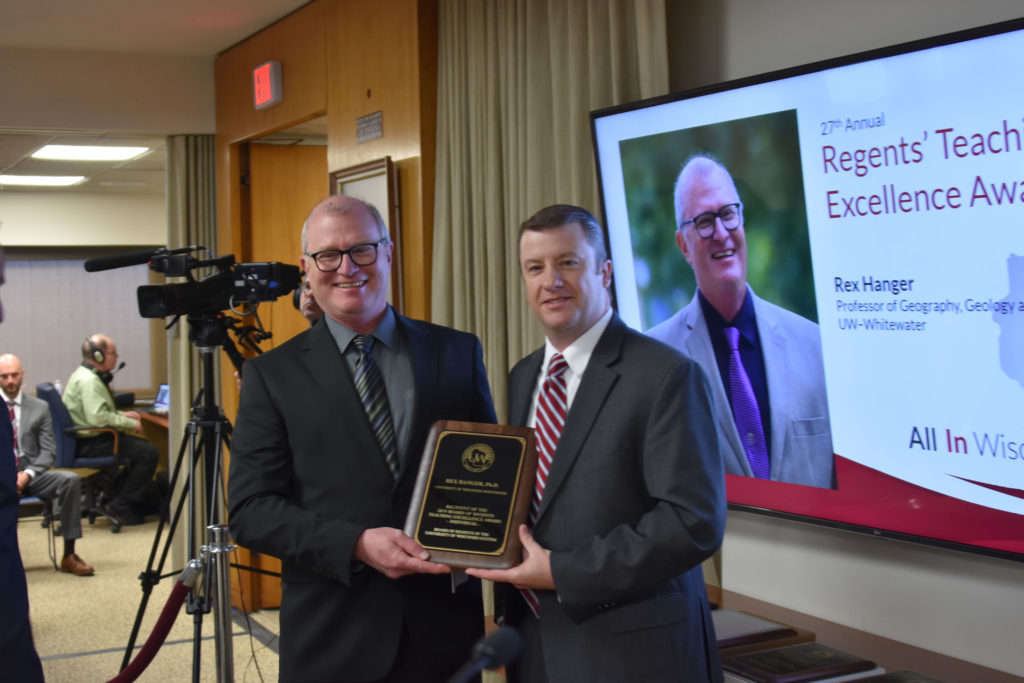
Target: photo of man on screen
pixel 763 361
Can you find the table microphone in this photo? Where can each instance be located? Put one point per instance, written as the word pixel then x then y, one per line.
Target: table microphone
pixel 498 648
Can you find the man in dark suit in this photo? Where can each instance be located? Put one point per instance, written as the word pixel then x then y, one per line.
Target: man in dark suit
pixel 780 350
pixel 306 303
pixel 633 499
pixel 37 452
pixel 319 484
pixel 17 651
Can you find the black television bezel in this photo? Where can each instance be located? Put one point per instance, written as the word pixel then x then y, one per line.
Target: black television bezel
pixel 917 45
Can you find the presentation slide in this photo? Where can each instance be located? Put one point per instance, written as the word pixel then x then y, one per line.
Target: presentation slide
pixel 898 184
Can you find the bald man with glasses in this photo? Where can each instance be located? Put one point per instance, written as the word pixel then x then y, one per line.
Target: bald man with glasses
pixel 764 362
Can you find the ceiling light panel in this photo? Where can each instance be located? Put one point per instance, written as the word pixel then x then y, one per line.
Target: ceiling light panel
pixel 89 153
pixel 41 180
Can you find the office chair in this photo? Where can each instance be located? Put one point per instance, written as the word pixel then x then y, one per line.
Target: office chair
pixel 30 507
pixel 97 473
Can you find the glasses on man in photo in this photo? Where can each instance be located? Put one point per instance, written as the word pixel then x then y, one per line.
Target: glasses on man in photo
pixel 731 216
pixel 361 255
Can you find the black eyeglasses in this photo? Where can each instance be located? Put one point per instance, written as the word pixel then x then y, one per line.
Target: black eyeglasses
pixel 361 255
pixel 731 216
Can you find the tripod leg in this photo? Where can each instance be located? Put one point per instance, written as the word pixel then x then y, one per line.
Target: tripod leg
pixel 150 577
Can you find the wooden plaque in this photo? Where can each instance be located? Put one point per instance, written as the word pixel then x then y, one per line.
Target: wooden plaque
pixel 472 492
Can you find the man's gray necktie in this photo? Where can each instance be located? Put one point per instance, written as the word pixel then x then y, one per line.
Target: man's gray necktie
pixel 370 386
pixel 745 410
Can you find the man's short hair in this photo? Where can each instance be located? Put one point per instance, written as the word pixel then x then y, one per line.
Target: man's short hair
pixel 557 215
pixel 699 165
pixel 337 208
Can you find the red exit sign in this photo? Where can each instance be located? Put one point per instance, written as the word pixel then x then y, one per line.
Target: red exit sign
pixel 266 84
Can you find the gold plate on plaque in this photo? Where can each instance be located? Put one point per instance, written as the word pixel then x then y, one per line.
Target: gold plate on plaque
pixel 472 492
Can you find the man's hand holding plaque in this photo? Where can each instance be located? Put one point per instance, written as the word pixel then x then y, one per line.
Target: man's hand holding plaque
pixel 394 554
pixel 473 493
pixel 534 572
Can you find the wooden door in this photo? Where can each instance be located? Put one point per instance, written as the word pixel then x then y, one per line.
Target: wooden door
pixel 285 183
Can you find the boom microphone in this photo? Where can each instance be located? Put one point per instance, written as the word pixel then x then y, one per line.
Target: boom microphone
pixel 498 648
pixel 135 258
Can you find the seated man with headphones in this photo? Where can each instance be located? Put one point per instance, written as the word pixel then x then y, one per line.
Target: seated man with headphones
pixel 90 402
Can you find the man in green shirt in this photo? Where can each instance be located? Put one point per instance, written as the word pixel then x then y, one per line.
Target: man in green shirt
pixel 90 402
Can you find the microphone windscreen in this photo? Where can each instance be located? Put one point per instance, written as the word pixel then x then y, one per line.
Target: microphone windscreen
pixel 134 258
pixel 498 647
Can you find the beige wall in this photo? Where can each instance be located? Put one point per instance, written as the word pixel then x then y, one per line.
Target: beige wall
pixel 70 219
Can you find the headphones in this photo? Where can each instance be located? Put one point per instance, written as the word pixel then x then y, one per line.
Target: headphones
pixel 93 351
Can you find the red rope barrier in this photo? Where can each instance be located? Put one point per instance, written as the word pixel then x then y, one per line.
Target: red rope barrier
pixel 157 637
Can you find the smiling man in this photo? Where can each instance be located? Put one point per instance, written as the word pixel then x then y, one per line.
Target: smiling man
pixel 764 362
pixel 629 497
pixel 324 456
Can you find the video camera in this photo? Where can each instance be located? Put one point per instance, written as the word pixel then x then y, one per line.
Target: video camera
pixel 229 286
pixel 233 284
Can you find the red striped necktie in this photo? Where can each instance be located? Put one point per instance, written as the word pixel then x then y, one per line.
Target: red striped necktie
pixel 552 405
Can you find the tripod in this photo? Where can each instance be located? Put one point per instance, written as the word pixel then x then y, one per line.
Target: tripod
pixel 205 435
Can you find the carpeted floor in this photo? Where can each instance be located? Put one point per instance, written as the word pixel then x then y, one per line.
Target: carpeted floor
pixel 82 624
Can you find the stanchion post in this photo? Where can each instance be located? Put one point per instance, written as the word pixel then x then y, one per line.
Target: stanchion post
pixel 218 566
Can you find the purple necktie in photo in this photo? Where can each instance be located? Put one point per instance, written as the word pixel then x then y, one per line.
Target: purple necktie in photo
pixel 745 410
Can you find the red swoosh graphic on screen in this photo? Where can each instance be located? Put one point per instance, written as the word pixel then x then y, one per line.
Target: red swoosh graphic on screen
pixel 1016 493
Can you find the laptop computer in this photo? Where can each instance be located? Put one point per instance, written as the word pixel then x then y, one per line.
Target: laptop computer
pixel 162 402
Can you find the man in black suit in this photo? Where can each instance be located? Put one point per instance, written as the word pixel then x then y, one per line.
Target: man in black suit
pixel 36 448
pixel 632 501
pixel 319 484
pixel 17 651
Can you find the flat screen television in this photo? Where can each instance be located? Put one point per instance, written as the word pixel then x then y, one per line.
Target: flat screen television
pixel 882 199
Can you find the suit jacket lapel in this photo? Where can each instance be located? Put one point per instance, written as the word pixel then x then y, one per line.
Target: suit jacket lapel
pixel 698 347
pixel 598 380
pixel 773 346
pixel 521 387
pixel 420 344
pixel 327 367
pixel 24 420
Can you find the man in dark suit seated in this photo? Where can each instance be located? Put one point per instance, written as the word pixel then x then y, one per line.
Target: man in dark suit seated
pixel 630 494
pixel 331 425
pixel 36 449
